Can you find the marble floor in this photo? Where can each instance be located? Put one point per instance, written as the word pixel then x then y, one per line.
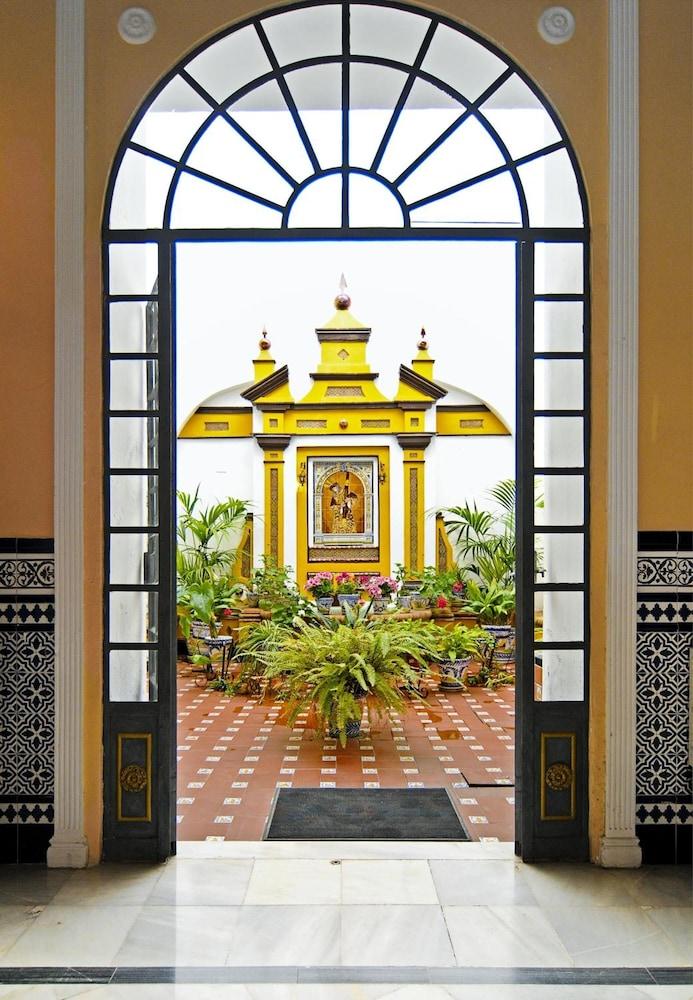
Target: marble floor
pixel 233 754
pixel 317 921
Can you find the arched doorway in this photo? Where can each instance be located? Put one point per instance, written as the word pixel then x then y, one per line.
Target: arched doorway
pixel 308 124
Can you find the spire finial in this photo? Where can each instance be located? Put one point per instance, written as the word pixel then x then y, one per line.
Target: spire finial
pixel 423 344
pixel 264 343
pixel 343 299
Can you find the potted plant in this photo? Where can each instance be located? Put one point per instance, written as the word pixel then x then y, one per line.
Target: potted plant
pixel 495 606
pixel 271 585
pixel 457 648
pixel 203 534
pixel 382 591
pixel 347 589
pixel 339 672
pixel 409 585
pixel 320 587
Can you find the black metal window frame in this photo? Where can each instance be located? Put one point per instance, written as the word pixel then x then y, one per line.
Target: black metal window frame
pixel 157 713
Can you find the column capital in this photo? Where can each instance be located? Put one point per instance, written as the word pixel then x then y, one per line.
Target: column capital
pixel 273 442
pixel 415 442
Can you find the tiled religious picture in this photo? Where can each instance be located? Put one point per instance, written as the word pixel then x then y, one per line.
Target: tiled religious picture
pixel 343 504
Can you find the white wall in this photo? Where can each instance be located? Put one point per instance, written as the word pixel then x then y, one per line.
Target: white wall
pixel 463 294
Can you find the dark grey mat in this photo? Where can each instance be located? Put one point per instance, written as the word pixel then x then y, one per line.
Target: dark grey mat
pixel 364 814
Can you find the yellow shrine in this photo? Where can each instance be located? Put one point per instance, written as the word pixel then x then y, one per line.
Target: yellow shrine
pixel 345 468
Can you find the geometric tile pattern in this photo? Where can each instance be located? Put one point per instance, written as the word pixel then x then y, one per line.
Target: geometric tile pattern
pixel 27 681
pixel 664 626
pixel 234 753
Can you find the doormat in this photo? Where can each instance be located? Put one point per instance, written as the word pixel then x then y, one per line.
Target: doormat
pixel 364 814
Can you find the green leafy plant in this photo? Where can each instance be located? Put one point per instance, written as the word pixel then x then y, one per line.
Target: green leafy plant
pixel 204 602
pixel 461 642
pixel 495 605
pixel 346 583
pixel 333 671
pixel 203 553
pixel 273 583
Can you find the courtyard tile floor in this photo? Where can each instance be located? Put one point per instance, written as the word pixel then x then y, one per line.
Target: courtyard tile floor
pixel 233 754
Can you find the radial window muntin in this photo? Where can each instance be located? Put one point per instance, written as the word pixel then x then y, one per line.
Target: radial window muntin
pixel 260 209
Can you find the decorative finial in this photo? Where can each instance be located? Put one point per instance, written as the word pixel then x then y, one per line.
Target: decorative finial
pixel 422 344
pixel 343 299
pixel 264 343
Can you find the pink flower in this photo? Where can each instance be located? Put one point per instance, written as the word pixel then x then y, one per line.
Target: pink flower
pixel 458 587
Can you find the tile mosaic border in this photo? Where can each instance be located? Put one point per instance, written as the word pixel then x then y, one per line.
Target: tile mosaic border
pixel 27 697
pixel 664 635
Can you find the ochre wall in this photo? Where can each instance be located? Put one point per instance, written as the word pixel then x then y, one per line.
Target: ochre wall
pixel 26 268
pixel 574 77
pixel 666 266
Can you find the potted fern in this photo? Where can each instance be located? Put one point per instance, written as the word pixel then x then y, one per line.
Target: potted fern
pixel 495 606
pixel 457 648
pixel 338 672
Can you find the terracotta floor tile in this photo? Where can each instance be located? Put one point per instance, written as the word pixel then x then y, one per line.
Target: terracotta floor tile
pixel 429 735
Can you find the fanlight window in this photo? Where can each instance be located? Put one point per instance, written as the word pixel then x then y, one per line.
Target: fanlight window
pixel 346 116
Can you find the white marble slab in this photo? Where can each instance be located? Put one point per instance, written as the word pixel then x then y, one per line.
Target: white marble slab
pixel 178 935
pixel 387 881
pixel 73 935
pixel 395 935
pixel 284 935
pixel 493 883
pixel 292 882
pixel 613 936
pixel 346 849
pixel 504 936
pixel 201 883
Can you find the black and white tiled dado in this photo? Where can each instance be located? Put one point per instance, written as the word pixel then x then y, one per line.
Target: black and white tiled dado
pixel 664 625
pixel 27 697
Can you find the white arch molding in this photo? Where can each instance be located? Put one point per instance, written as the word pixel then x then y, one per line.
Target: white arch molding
pixel 68 847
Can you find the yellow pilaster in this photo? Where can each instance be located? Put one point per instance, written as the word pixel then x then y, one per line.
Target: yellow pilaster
pixel 413 464
pixel 273 448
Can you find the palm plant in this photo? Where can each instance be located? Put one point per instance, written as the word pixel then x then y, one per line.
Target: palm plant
pixel 333 671
pixel 202 553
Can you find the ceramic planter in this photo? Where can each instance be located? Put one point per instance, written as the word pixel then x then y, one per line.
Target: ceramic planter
pixel 452 672
pixel 353 729
pixel 503 637
pixel 324 602
pixel 348 599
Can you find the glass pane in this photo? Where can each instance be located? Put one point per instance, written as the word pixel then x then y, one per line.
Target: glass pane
pixel 140 192
pixel 558 326
pixel 134 559
pixel 468 152
pixel 559 675
pixel 319 204
pixel 372 204
pixel 133 501
pixel 519 118
pixel 427 113
pixel 558 268
pixel 134 442
pixel 374 91
pixel 462 62
pixel 199 204
pixel 132 616
pixel 559 441
pixel 317 92
pixel 265 116
pixel 552 192
pixel 223 153
pixel 493 202
pixel 172 119
pixel 128 327
pixel 303 34
pixel 561 558
pixel 386 32
pixel 230 63
pixel 563 616
pixel 132 674
pixel 133 268
pixel 134 385
pixel 563 500
pixel 558 385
